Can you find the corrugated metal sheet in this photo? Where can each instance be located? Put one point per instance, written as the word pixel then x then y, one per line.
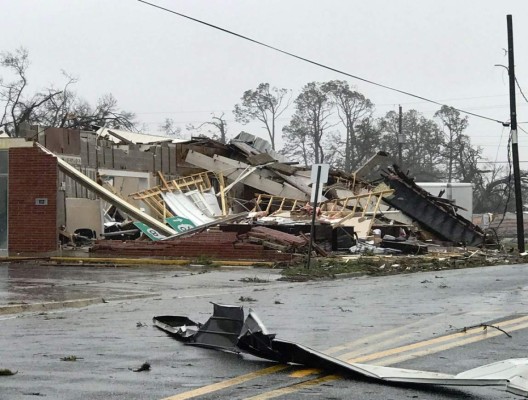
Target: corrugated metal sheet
pixel 182 206
pixel 117 136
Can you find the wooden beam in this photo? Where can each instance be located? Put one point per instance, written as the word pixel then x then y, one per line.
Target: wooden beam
pixel 160 174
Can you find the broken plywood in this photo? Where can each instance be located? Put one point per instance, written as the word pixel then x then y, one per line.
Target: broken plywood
pixel 232 169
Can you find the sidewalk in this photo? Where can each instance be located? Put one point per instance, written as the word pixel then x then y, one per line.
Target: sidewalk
pixel 77 282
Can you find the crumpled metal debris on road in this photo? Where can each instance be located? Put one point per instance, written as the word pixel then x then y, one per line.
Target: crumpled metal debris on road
pixel 227 330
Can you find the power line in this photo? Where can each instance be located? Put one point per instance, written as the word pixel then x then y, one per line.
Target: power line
pixel 498 162
pixel 499 145
pixel 315 62
pixel 520 90
pixel 450 99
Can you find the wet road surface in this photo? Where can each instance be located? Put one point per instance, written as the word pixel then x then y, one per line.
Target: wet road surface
pixel 412 321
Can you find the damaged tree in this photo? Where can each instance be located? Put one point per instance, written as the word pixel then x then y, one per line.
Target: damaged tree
pixel 264 104
pixel 309 124
pixel 17 108
pixel 354 109
pixel 51 107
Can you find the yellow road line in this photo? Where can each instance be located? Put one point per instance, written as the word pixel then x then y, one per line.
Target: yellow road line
pixel 301 373
pixel 487 335
pixel 376 336
pixel 227 383
pixel 439 339
pixel 363 348
pixel 294 388
pixel 475 338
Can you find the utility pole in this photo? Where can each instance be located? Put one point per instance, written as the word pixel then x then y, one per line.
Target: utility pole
pixel 514 139
pixel 400 137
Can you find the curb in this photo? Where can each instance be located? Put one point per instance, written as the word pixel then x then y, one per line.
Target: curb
pixel 349 275
pixel 96 261
pixel 55 305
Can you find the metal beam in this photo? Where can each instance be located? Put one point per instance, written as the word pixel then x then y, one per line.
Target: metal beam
pixel 109 196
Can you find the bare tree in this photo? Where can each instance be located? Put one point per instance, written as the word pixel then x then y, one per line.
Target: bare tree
pixel 495 194
pixel 52 107
pixel 105 113
pixel 169 128
pixel 17 107
pixel 264 104
pixel 219 125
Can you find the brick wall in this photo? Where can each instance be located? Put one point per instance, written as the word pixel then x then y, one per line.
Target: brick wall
pixel 32 175
pixel 216 245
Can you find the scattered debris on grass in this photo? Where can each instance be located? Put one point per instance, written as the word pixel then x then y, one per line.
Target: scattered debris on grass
pixel 331 268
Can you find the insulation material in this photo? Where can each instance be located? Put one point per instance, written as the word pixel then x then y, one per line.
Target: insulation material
pixel 181 205
pixel 212 203
pixel 206 202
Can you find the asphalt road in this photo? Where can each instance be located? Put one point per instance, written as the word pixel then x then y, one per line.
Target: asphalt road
pixel 412 321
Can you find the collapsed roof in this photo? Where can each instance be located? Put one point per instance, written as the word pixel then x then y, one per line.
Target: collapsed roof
pixel 248 175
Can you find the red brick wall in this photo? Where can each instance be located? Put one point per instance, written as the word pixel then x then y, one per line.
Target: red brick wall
pixel 32 175
pixel 216 245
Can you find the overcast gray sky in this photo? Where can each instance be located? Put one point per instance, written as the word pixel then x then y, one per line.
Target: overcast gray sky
pixel 160 65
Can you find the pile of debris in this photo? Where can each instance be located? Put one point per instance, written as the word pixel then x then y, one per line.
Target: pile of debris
pixel 206 244
pixel 255 204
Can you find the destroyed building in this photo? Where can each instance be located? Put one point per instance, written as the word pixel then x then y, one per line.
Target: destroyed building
pixel 202 197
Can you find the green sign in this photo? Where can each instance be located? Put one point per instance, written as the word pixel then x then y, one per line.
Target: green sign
pixel 180 224
pixel 152 234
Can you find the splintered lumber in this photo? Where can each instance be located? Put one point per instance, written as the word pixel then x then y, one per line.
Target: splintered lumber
pixel 318 249
pixel 269 244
